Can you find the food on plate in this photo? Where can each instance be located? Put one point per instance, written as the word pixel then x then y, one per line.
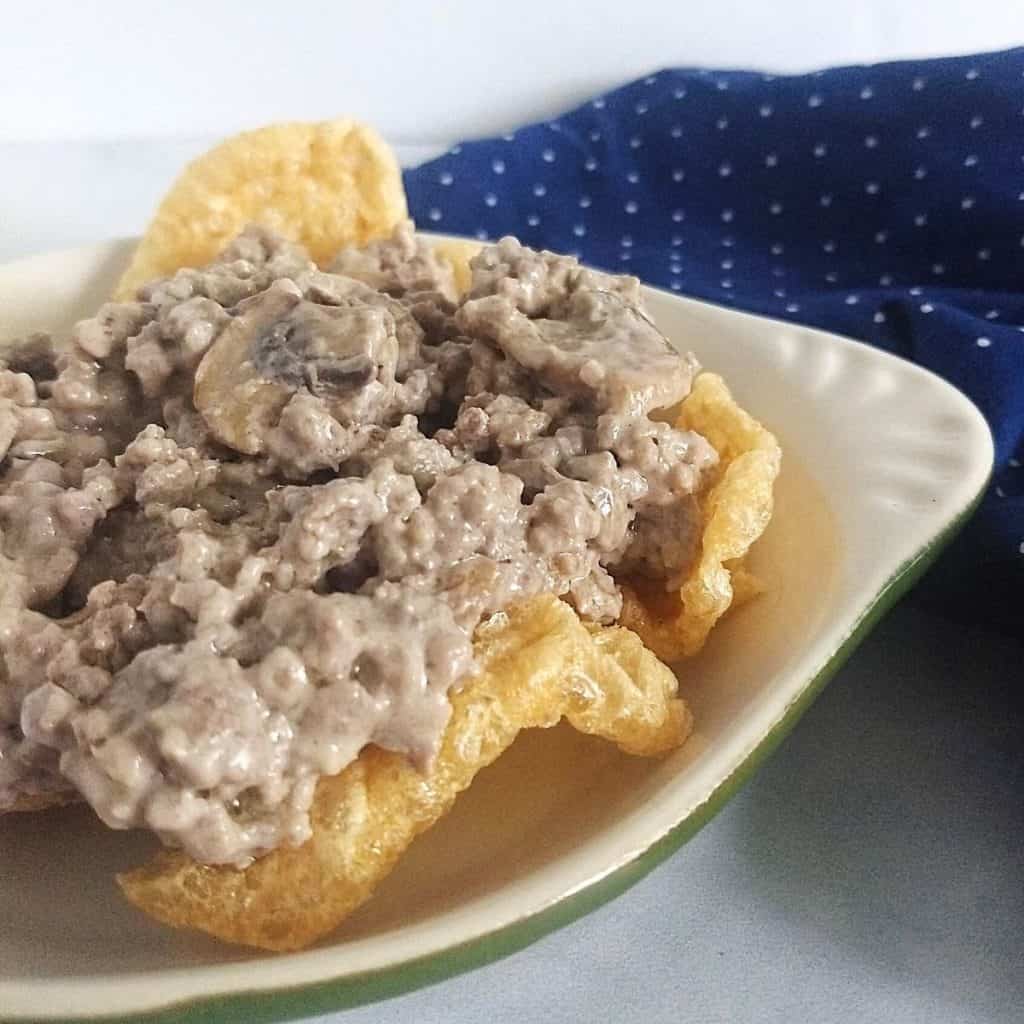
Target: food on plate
pixel 296 539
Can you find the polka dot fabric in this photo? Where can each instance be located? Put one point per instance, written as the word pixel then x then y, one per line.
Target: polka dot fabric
pixel 883 202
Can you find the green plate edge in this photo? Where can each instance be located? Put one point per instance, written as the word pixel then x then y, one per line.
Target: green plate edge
pixel 276 1007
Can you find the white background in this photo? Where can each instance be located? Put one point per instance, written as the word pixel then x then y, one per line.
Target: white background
pixel 874 870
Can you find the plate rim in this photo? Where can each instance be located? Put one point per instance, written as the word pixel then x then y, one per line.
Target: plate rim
pixel 285 1002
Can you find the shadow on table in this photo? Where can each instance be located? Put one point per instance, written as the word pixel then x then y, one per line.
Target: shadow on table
pixel 907 838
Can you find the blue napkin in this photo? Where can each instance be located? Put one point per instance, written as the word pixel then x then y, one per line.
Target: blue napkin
pixel 884 202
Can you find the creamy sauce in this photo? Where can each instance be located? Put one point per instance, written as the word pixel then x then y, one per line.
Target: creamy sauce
pixel 249 522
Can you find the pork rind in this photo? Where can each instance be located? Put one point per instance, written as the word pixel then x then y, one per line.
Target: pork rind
pixel 458 252
pixel 736 510
pixel 539 663
pixel 325 184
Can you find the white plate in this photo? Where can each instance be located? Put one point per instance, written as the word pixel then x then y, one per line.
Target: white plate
pixel 882 462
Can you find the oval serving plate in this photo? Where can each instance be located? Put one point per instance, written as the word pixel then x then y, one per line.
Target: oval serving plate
pixel 882 463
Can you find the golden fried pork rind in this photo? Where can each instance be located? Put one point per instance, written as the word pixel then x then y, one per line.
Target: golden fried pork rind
pixel 325 184
pixel 458 252
pixel 539 663
pixel 736 510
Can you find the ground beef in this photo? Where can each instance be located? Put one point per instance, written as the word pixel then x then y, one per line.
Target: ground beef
pixel 250 521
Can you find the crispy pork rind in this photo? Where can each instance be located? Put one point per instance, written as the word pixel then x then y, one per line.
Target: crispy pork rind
pixel 736 511
pixel 539 663
pixel 325 184
pixel 458 252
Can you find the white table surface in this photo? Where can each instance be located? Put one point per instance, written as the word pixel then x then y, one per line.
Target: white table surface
pixel 874 869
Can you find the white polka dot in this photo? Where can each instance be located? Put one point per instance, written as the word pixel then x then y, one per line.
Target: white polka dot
pixel 584 202
pixel 626 242
pixel 676 286
pixel 778 271
pixel 881 236
pixel 635 142
pixel 509 136
pixel 983 342
pixel 498 166
pixel 641 108
pixel 481 233
pixel 920 220
pixel 832 277
pixel 722 123
pixel 820 149
pixel 867 93
pixel 872 188
pixel 918 84
pixel 992 314
pixel 678 174
pixel 779 293
pixel 777 249
pixel 579 230
pixel 771 160
pixel 977 121
pixel 434 213
pixel 1020 196
pixel 726 282
pixel 727 215
pixel 539 189
pixel 852 300
pixel 793 307
pixel 632 177
pixel 676 268
pixel 533 220
pixel 924 131
pixel 726 264
pixel 829 246
pixel 870 141
pixel 1015 463
pixel 972 74
pixel 548 156
pixel 938 268
pixel 677 239
pixel 724 170
pixel 679 92
pixel 678 215
pixel 970 161
pixel 650 79
pixel 677 131
pixel 984 254
pixel 590 164
pixel 920 172
pixel 728 241
pixel 446 177
pixel 916 290
pixel 926 307
pixel 814 100
pixel 624 256
pixel 595 136
pixel 631 206
pixel 775 208
pixel 598 104
pixel 825 200
pixel 491 199
pixel 554 126
pixel 766 110
pixel 721 85
pixel 885 280
pixel 455 150
pixel 879 317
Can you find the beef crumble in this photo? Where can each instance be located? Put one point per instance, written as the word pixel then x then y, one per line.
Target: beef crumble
pixel 250 521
